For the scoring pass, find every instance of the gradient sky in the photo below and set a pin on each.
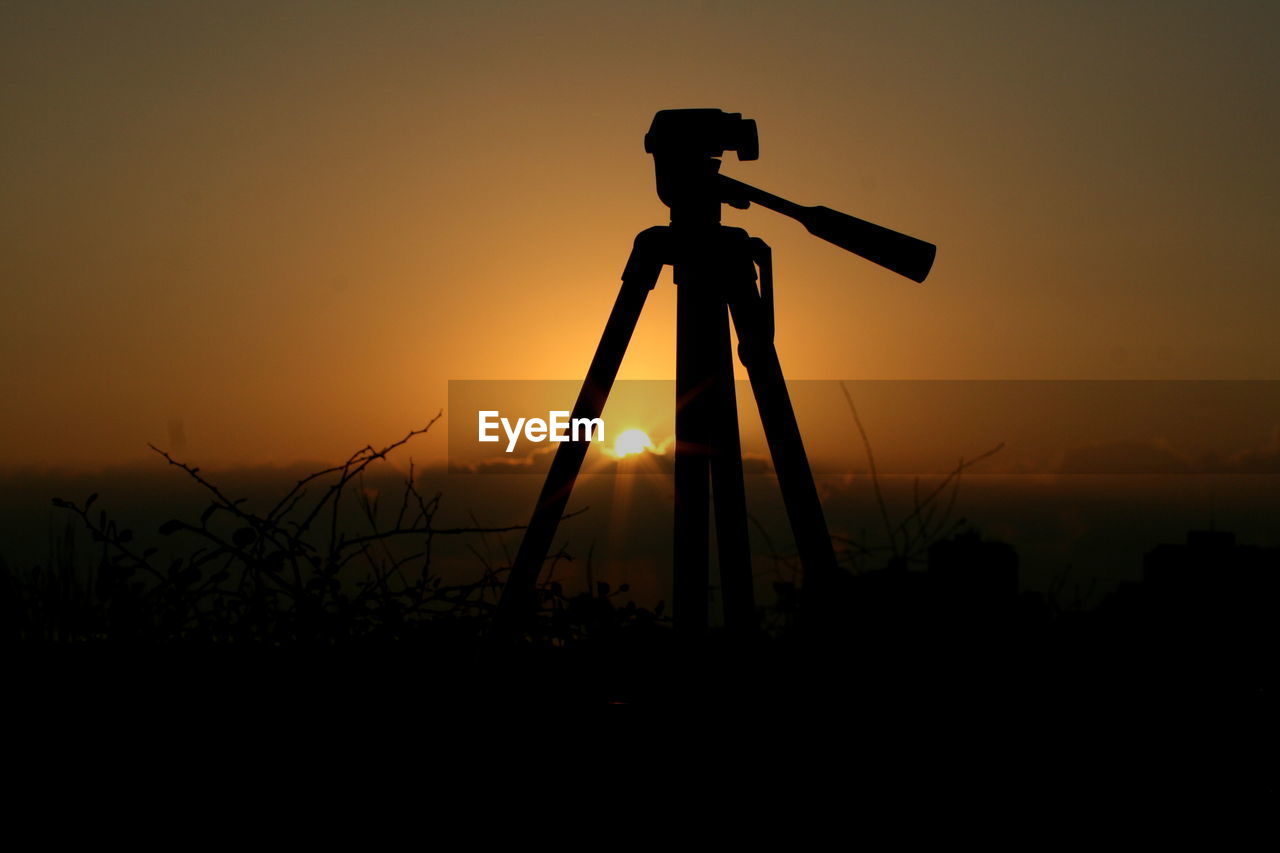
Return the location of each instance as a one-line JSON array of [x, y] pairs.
[[267, 231]]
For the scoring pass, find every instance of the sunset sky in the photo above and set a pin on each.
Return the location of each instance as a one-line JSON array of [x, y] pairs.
[[268, 231]]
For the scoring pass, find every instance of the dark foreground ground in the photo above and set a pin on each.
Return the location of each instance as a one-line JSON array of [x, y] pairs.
[[1106, 706], [1125, 661]]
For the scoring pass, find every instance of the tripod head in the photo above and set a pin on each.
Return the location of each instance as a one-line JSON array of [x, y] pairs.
[[685, 145], [702, 133]]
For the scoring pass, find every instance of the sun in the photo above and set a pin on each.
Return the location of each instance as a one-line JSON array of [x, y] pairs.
[[630, 442]]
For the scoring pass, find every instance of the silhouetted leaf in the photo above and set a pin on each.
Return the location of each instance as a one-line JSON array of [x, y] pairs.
[[88, 503], [170, 526], [244, 537], [125, 536]]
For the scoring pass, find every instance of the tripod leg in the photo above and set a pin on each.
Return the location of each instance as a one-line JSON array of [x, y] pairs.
[[695, 435], [795, 478], [733, 546], [639, 277], [707, 440]]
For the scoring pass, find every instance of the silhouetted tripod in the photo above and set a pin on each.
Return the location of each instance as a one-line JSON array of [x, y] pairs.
[[715, 270]]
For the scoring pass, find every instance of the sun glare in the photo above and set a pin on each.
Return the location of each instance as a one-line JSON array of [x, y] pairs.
[[632, 441]]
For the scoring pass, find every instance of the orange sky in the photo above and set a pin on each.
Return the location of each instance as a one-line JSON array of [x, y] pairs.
[[285, 226]]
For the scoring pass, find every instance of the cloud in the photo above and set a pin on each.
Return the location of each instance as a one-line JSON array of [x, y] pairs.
[[1263, 460], [1157, 457], [1124, 457]]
